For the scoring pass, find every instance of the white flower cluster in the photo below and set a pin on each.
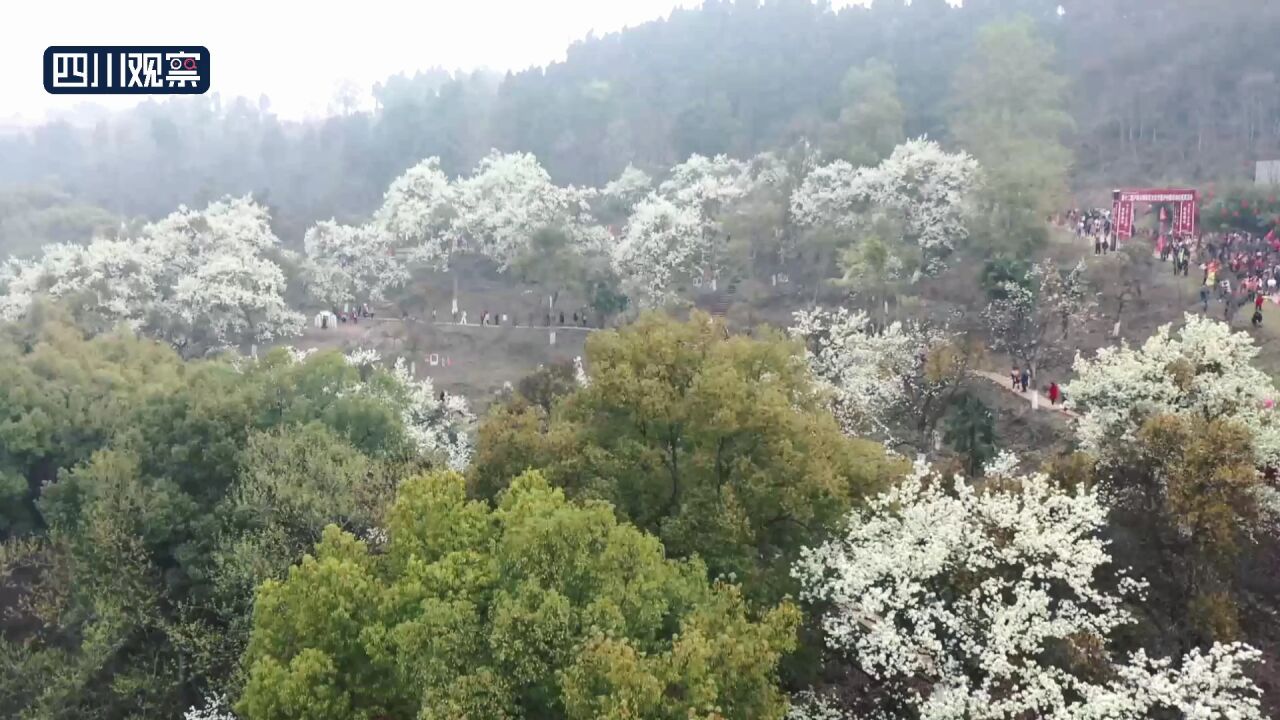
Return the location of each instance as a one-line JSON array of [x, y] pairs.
[[435, 426], [215, 708], [418, 212], [629, 188], [662, 245], [1267, 501], [922, 189], [508, 198], [808, 705], [951, 597], [867, 372], [580, 373], [363, 357], [1204, 370], [351, 263], [197, 279], [1033, 318], [676, 234], [494, 212], [299, 356]]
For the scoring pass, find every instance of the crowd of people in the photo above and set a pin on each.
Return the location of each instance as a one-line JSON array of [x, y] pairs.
[[1093, 224], [1021, 382], [494, 319], [1237, 268]]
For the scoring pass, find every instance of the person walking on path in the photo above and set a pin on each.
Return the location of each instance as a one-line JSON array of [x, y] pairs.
[[1016, 377], [1204, 299], [1054, 393], [1026, 379]]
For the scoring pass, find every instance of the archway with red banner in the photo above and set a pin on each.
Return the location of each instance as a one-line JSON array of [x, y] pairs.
[[1186, 208]]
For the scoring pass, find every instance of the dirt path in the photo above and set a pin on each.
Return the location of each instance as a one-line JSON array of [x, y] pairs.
[[1033, 397]]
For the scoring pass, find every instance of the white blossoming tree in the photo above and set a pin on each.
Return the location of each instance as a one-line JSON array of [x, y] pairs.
[[200, 280], [710, 186], [663, 246], [865, 371], [507, 199], [833, 194], [628, 189], [351, 264], [1032, 320], [921, 191], [883, 380], [681, 233], [958, 603], [435, 425], [1204, 369], [215, 707], [107, 281], [418, 213], [217, 285]]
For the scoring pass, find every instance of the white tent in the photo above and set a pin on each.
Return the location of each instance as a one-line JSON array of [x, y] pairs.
[[326, 319]]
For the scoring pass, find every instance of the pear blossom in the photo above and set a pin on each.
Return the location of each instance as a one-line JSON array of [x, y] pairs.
[[200, 280], [508, 198], [350, 264], [435, 426], [834, 195], [1031, 321], [629, 188], [677, 234], [948, 597], [662, 246], [215, 707], [809, 705], [874, 374], [1204, 369], [709, 183], [298, 355], [113, 278], [923, 190], [363, 357], [862, 370], [438, 424], [418, 213]]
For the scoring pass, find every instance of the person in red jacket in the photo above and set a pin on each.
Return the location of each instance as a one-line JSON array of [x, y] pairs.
[[1054, 393]]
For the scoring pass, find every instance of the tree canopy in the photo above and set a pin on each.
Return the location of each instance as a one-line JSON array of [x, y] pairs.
[[718, 444], [537, 607]]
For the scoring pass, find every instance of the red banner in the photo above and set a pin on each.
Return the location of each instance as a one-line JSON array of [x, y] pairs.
[[1185, 203], [1185, 221]]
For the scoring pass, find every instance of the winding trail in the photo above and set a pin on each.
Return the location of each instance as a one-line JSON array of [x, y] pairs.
[[1031, 396]]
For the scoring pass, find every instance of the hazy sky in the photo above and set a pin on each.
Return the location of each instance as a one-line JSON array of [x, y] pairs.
[[297, 52]]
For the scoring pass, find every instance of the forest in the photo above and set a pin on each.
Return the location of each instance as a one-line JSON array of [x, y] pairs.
[[1157, 92], [772, 469]]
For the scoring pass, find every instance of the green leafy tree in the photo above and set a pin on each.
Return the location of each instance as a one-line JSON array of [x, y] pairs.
[[536, 607], [718, 444], [1010, 113], [971, 432], [872, 117], [154, 495]]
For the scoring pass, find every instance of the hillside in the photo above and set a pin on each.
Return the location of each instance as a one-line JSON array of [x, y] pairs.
[[1158, 92]]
